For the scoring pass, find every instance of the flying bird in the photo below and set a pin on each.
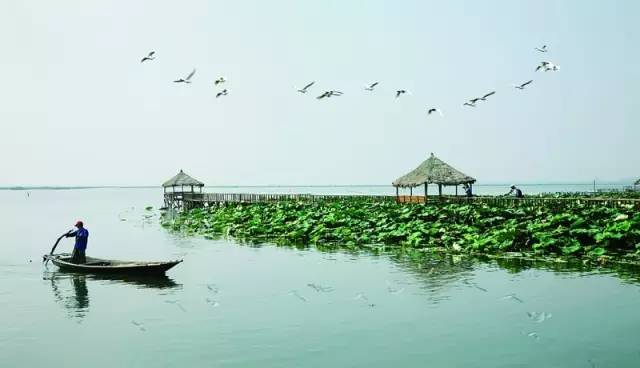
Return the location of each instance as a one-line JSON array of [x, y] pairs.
[[470, 104], [371, 86], [305, 88], [400, 92], [219, 81], [521, 86], [148, 57], [224, 92], [328, 94], [547, 66], [187, 79], [434, 109], [542, 49], [484, 98]]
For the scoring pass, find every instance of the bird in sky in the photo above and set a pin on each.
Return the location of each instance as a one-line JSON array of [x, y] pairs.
[[434, 109], [148, 57], [219, 81], [371, 86], [470, 104], [547, 66], [521, 86], [305, 88], [542, 49], [187, 79], [224, 92], [484, 98], [400, 92], [328, 94]]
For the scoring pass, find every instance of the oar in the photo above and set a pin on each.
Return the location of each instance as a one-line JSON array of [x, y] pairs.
[[45, 258]]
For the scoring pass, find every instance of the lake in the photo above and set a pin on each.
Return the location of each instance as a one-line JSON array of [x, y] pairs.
[[234, 305]]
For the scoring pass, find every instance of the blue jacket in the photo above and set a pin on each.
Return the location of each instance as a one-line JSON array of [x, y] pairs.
[[82, 236]]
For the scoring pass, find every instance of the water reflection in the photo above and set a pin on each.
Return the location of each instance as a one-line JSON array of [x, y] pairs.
[[436, 273], [71, 291]]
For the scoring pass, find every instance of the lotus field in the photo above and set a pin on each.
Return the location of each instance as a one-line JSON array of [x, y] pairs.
[[592, 232]]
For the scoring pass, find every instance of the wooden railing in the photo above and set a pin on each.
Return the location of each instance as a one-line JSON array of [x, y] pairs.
[[192, 200]]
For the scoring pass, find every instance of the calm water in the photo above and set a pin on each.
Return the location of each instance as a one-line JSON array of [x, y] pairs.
[[229, 305]]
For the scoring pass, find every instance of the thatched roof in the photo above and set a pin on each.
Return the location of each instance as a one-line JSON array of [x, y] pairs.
[[182, 179], [433, 171]]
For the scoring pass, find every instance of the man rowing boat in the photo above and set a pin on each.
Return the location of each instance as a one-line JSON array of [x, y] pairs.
[[82, 236]]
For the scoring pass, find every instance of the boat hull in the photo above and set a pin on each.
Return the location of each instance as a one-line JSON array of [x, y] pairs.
[[106, 266]]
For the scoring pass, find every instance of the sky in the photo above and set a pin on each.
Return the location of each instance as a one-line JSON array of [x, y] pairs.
[[78, 108]]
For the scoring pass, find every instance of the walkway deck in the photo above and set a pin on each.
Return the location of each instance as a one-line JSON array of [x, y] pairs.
[[196, 200]]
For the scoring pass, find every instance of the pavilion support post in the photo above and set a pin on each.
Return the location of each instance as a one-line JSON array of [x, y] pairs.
[[425, 192], [456, 190], [411, 191], [440, 190], [397, 194]]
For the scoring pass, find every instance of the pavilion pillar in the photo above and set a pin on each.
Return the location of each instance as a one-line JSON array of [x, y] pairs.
[[411, 191], [440, 190], [456, 190], [397, 193], [425, 192]]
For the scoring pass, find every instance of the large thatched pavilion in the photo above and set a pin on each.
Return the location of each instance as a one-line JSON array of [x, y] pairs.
[[432, 171]]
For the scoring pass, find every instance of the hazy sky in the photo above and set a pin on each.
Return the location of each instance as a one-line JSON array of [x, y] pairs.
[[78, 108]]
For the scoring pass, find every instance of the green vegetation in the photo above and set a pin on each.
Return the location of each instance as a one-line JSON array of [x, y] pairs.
[[580, 230]]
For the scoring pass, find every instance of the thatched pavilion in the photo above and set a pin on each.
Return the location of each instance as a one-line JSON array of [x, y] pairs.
[[181, 180], [432, 171], [636, 184], [179, 188]]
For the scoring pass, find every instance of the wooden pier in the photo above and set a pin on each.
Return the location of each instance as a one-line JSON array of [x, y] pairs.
[[182, 192], [189, 200]]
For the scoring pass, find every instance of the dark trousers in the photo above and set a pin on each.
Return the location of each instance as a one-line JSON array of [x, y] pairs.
[[78, 256]]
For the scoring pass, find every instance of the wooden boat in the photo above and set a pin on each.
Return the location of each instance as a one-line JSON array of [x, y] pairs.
[[103, 266]]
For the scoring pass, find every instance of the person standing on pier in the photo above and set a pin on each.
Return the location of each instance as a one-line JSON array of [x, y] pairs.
[[82, 237], [516, 192], [467, 190]]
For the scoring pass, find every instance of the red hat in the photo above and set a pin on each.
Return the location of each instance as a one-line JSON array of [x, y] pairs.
[[79, 223]]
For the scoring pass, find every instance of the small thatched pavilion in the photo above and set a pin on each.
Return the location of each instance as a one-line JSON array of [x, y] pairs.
[[182, 180], [636, 184], [432, 171]]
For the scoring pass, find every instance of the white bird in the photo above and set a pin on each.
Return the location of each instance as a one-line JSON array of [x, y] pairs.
[[148, 57], [484, 98], [224, 92], [371, 86], [320, 288], [219, 81], [305, 88], [434, 109], [547, 66], [297, 295], [539, 317], [187, 79], [521, 86], [542, 49], [512, 297]]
